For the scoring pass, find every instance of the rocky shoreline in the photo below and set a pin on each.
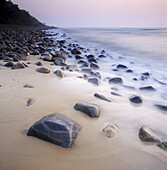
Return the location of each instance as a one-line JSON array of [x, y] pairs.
[[19, 44]]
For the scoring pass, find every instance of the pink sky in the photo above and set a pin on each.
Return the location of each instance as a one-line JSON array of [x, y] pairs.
[[98, 13]]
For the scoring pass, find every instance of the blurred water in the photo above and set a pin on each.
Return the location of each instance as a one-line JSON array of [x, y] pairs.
[[137, 43]]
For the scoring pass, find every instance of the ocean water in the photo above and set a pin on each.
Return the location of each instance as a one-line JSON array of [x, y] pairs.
[[141, 50]]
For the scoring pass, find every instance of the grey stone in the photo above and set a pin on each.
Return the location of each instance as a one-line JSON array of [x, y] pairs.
[[161, 107], [147, 88], [115, 94], [59, 73], [94, 81], [116, 80], [30, 101], [57, 129], [59, 61], [136, 99], [102, 97], [39, 63], [90, 109], [121, 66], [28, 86], [75, 51], [94, 65], [148, 135], [110, 130]]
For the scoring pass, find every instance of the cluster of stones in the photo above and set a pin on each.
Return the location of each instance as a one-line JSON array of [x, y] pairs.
[[15, 47]]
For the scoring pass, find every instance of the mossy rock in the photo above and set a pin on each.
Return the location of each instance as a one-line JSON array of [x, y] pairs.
[[163, 145]]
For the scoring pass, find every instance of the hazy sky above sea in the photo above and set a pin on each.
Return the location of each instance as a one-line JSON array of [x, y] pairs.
[[98, 13]]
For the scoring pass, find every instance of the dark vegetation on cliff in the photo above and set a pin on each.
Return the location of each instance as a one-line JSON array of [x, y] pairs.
[[12, 15]]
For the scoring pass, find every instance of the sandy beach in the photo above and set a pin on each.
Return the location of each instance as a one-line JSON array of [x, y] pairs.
[[92, 149]]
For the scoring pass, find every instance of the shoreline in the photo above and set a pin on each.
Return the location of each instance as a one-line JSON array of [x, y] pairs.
[[92, 149]]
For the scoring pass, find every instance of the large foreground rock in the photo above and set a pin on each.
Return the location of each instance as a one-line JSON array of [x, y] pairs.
[[57, 129], [90, 109], [148, 135]]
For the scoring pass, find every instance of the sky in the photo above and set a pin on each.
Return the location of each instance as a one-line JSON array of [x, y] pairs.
[[98, 13]]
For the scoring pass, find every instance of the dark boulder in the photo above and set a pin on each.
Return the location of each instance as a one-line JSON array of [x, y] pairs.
[[147, 88], [92, 60], [9, 64], [39, 63], [121, 66], [148, 135], [102, 56], [129, 71], [76, 51], [57, 129], [161, 107], [102, 97], [136, 99], [78, 57], [116, 80], [94, 65], [90, 109], [146, 74]]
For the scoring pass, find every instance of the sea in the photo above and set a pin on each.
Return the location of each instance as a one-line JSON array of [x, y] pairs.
[[140, 49]]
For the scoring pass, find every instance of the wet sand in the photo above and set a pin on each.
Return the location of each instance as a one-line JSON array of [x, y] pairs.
[[92, 149]]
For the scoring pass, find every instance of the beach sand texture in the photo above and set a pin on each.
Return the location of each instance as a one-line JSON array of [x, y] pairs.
[[92, 149]]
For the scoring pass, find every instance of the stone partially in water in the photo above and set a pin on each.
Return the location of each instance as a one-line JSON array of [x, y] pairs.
[[115, 94], [102, 97], [110, 130], [121, 66], [57, 129], [147, 88], [161, 107], [148, 135], [116, 80], [90, 109], [94, 81], [94, 65], [135, 99]]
